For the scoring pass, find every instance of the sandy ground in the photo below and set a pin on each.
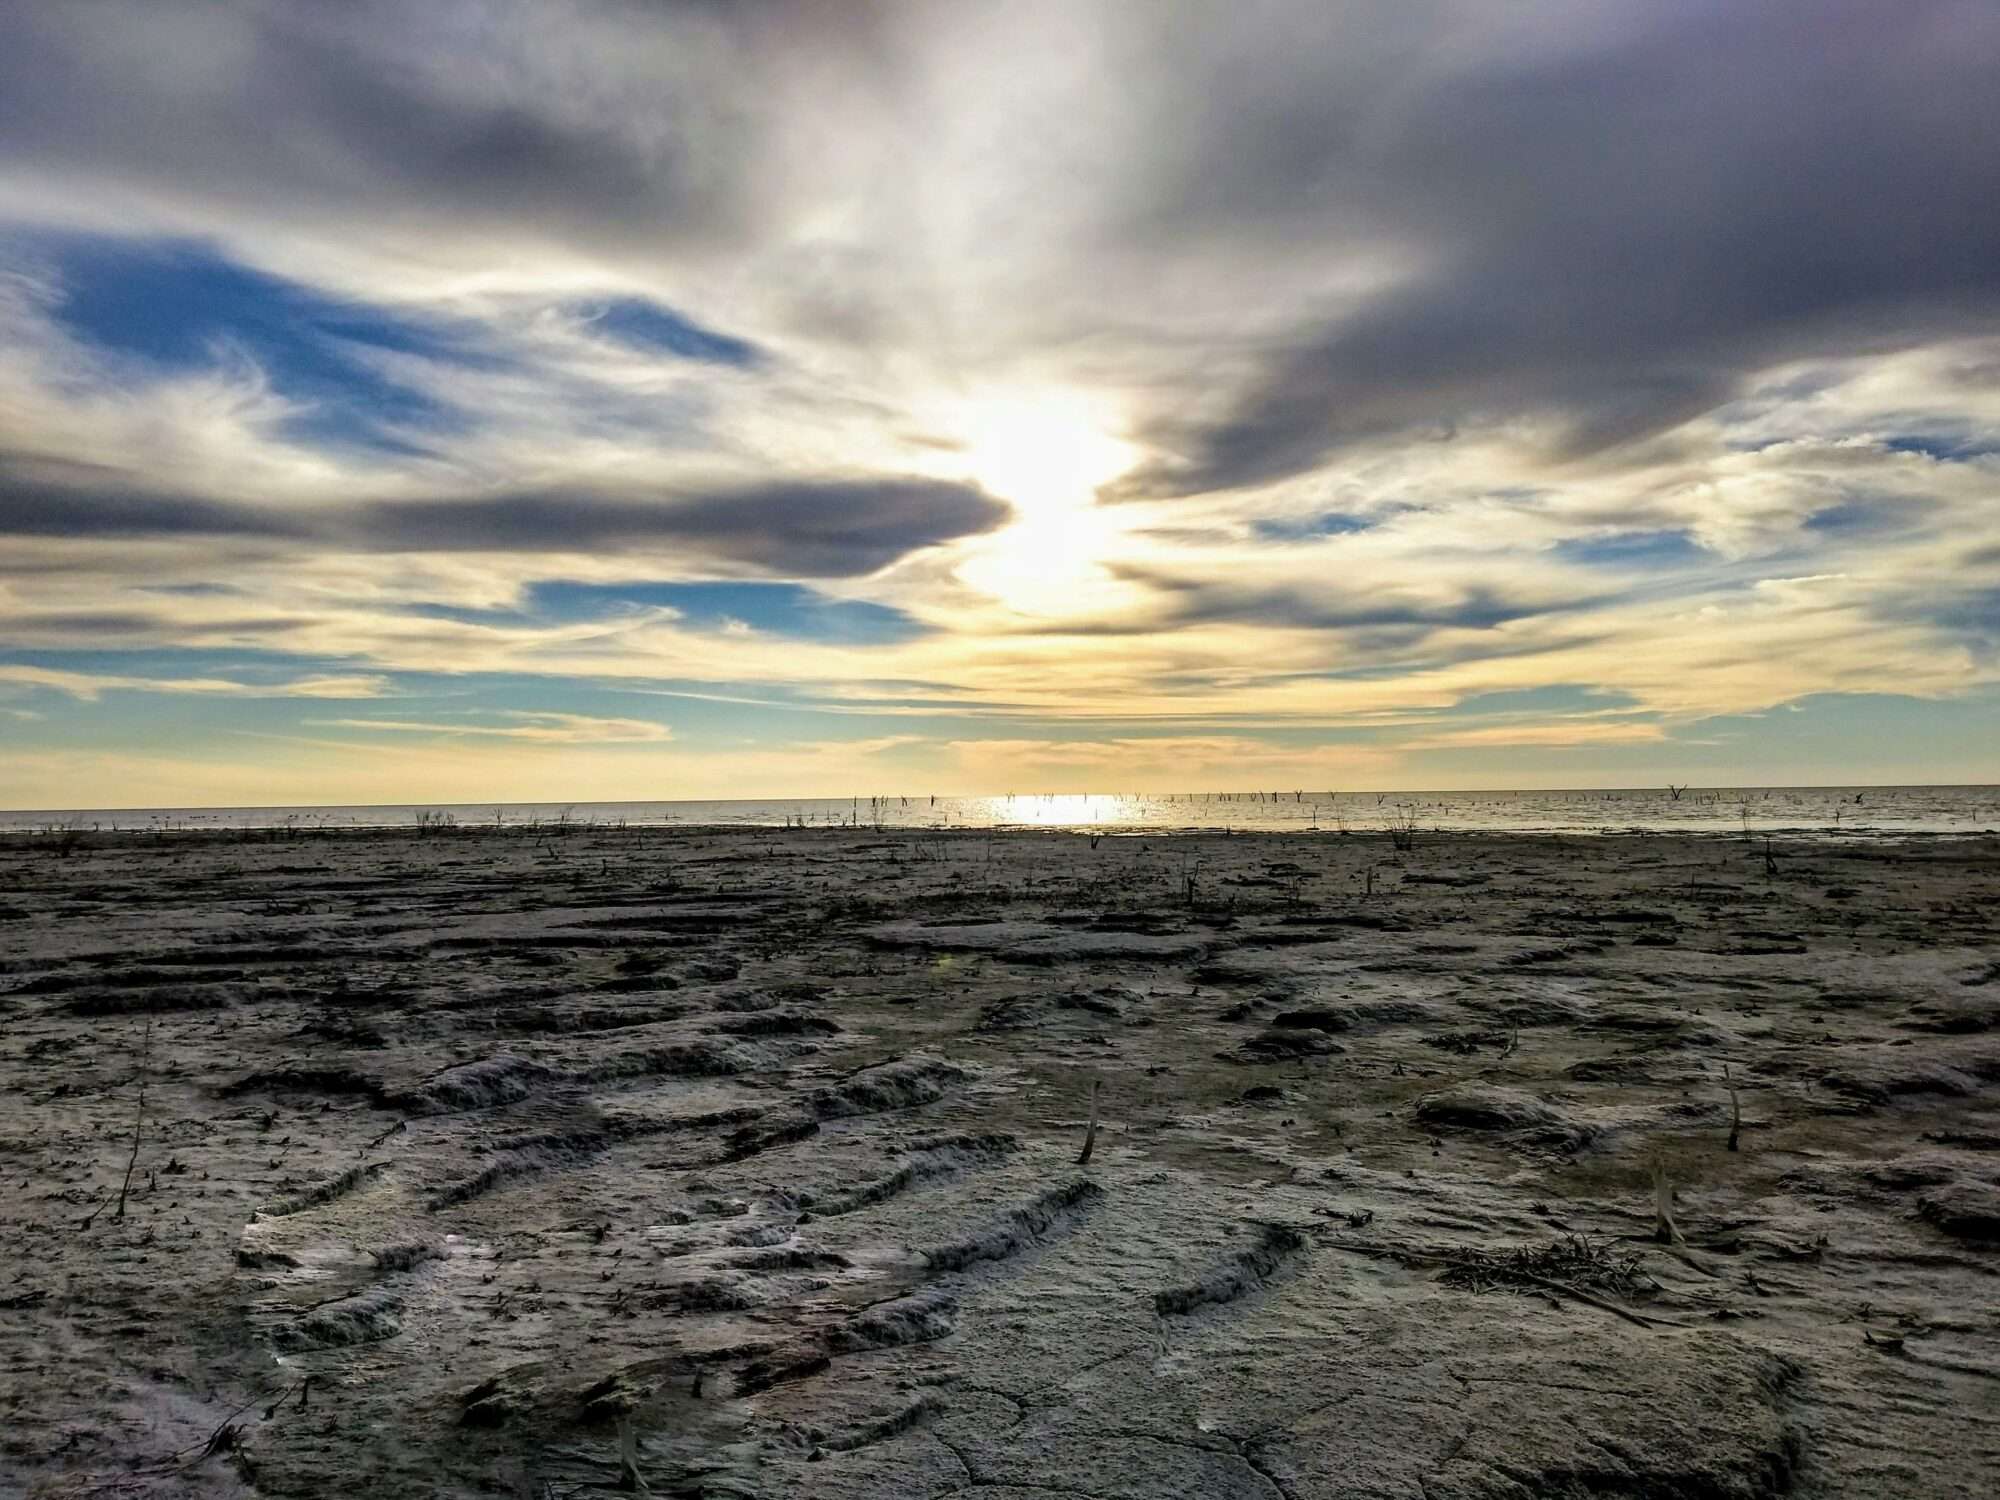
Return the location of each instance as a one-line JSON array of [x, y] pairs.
[[747, 1164]]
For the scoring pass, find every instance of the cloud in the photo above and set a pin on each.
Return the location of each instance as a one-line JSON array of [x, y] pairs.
[[779, 609], [377, 121], [1607, 230], [1416, 608], [810, 528], [1568, 734], [542, 728], [71, 500], [90, 686]]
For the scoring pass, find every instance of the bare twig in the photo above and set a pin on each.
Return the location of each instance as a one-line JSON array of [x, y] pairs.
[[1664, 1228], [1611, 1307], [138, 1119], [1735, 1107], [1090, 1134], [629, 1477]]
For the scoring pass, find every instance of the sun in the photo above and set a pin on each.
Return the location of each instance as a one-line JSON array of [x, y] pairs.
[[1046, 454], [1042, 451]]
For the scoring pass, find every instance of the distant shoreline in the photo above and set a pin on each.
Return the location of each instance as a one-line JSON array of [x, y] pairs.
[[1694, 794], [87, 837]]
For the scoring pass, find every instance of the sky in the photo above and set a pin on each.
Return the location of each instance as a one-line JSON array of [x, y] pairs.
[[611, 399]]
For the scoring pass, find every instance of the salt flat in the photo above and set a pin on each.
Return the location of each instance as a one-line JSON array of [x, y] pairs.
[[484, 1163]]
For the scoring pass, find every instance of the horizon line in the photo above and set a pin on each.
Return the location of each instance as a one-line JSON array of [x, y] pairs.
[[1280, 793]]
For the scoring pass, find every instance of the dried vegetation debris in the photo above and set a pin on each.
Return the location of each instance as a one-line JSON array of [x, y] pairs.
[[1571, 1261]]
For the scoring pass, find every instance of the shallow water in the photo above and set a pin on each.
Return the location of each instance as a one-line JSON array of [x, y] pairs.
[[1793, 811]]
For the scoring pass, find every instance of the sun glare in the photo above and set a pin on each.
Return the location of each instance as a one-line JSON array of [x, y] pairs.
[[1041, 452], [1045, 454]]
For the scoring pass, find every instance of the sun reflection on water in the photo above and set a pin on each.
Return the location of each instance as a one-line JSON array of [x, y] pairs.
[[1063, 810]]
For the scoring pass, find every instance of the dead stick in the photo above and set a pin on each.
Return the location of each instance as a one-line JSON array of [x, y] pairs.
[[1611, 1307], [1090, 1135], [138, 1119], [1735, 1108]]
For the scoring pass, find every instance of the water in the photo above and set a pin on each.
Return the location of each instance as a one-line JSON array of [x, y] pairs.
[[1790, 811]]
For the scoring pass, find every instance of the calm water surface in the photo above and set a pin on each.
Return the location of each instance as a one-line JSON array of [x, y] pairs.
[[1824, 811]]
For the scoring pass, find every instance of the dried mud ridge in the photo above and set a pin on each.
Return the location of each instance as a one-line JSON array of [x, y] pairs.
[[748, 1164]]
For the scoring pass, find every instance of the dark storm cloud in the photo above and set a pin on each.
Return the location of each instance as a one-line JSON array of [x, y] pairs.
[[832, 528], [342, 108], [87, 502], [1611, 230], [810, 529]]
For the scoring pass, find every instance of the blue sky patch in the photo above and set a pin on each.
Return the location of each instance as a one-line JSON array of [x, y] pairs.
[[1858, 518], [1331, 523], [644, 324], [1943, 448], [1974, 613], [1826, 739], [787, 609], [236, 663], [1632, 549], [1840, 731], [1554, 698], [180, 306]]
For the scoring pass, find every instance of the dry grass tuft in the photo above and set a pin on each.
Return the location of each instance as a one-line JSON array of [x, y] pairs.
[[1573, 1262]]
